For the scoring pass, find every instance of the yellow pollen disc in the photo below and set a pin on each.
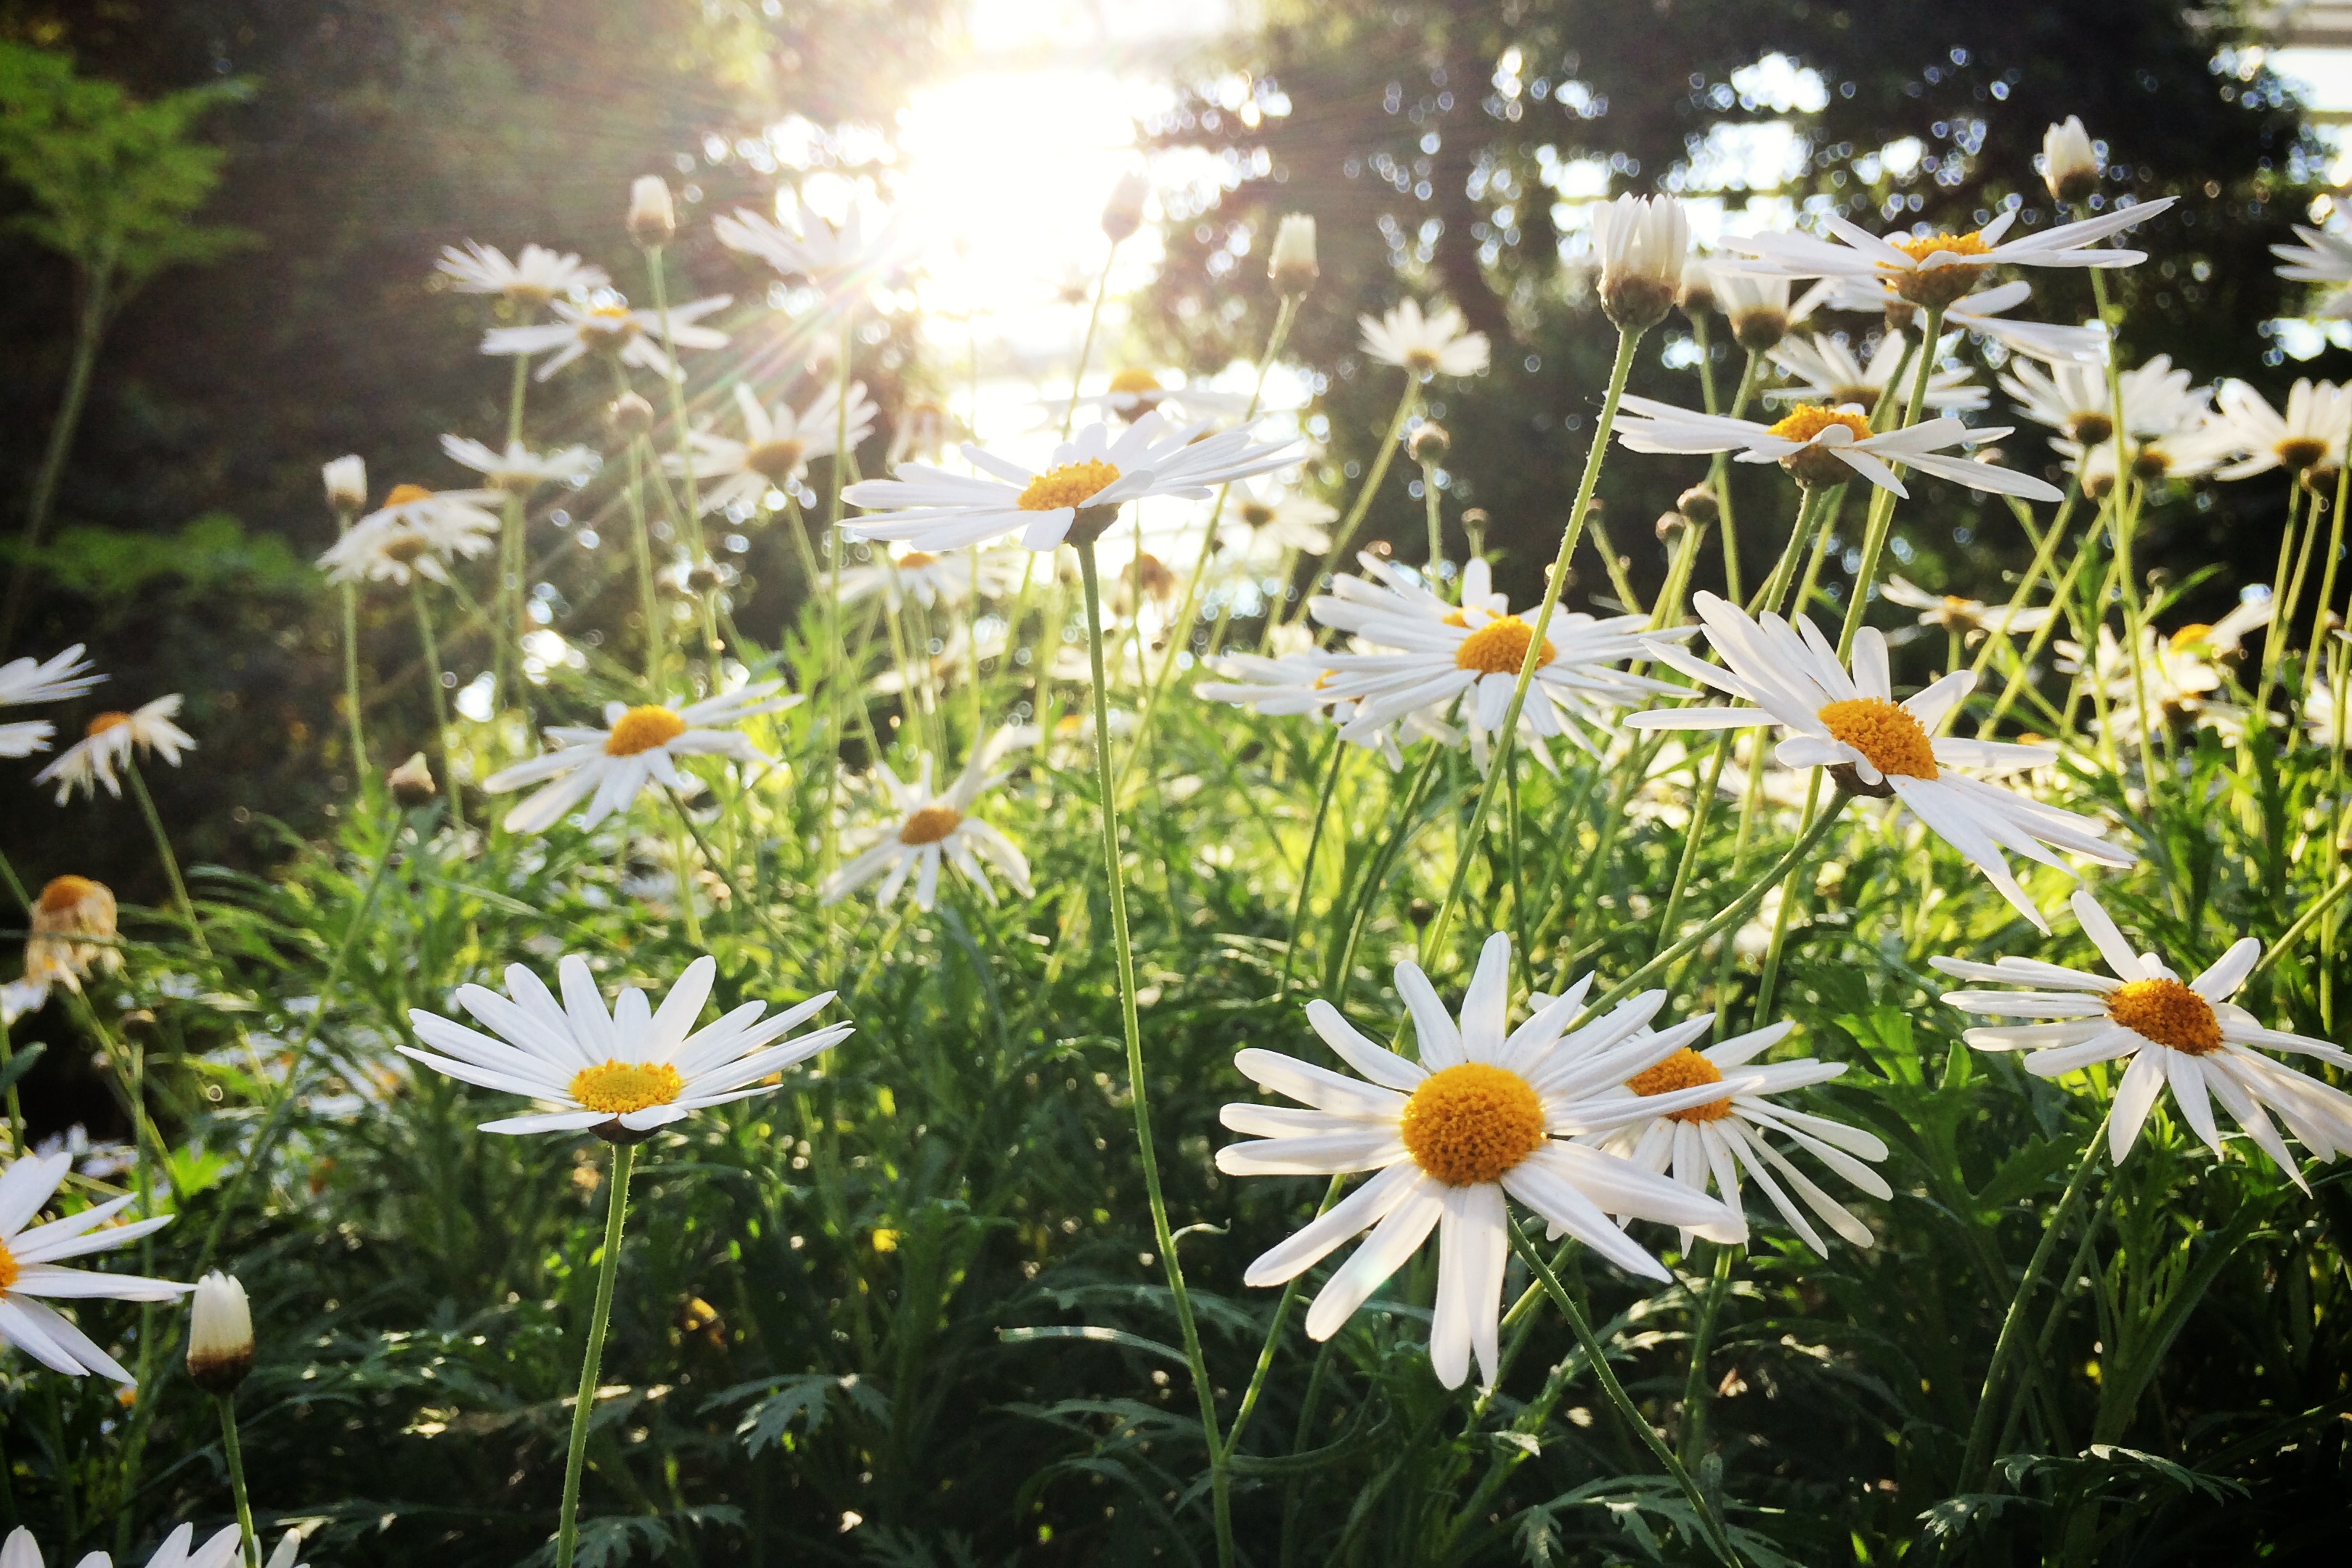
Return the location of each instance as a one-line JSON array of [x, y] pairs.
[[1686, 1069], [929, 825], [1455, 618], [777, 460], [607, 326], [916, 557], [617, 1088], [1808, 420], [1499, 648], [2189, 636], [1135, 380], [404, 494], [8, 1269], [1071, 484], [105, 722], [1470, 1123], [2169, 1013], [2300, 452], [1256, 514], [65, 894], [642, 728], [1884, 732], [1920, 247]]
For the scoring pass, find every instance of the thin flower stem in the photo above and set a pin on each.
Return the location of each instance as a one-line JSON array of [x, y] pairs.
[[1368, 891], [1697, 1389], [1615, 564], [1138, 1084], [567, 1527], [1719, 477], [1338, 554], [1434, 521], [1086, 342], [180, 898], [1770, 975], [2033, 647], [2325, 607], [692, 510], [1882, 503], [1976, 1461], [2126, 523], [505, 683], [2304, 923], [440, 701], [1433, 939], [249, 1546], [641, 538], [2045, 549], [836, 671], [1307, 871], [1282, 1311], [1711, 1526]]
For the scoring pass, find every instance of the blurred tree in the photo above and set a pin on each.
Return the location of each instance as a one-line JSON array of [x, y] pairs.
[[1434, 139]]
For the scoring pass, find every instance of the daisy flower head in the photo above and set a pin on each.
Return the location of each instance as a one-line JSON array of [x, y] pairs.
[[1757, 306], [1641, 244], [517, 470], [111, 740], [2309, 436], [636, 746], [1711, 1144], [1832, 375], [416, 532], [1084, 483], [1985, 313], [29, 680], [28, 1268], [2322, 257], [1281, 520], [1300, 682], [836, 257], [931, 581], [925, 828], [2070, 164], [622, 1073], [2190, 1036], [535, 276], [1851, 724], [1487, 1114], [1822, 447], [1290, 261], [777, 446], [1474, 651], [72, 931], [1973, 616], [1932, 270], [1135, 391], [179, 1550], [632, 337], [345, 480], [1438, 343]]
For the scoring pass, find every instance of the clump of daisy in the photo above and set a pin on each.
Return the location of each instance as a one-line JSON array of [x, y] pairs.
[[516, 470], [112, 741], [29, 1274], [1829, 374], [931, 581], [535, 276], [611, 330], [635, 747], [2188, 1035], [1824, 447], [1437, 343], [923, 828], [778, 444], [416, 532], [1934, 270]]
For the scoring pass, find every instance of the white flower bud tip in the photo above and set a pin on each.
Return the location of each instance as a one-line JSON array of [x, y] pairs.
[[220, 1334]]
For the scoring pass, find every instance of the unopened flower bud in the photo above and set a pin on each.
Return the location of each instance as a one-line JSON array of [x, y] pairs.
[[1669, 525], [703, 578], [627, 416], [1292, 264], [220, 1334], [2070, 166], [1429, 443], [346, 480], [1123, 214], [1644, 242], [1697, 296], [411, 783], [1698, 503], [652, 218], [1900, 314]]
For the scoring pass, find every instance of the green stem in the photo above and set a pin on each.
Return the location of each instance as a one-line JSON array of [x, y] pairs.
[[1282, 1311], [248, 1543], [567, 1528], [89, 326], [693, 507], [1307, 871], [1696, 1388], [1882, 503], [1139, 1088], [1717, 1542], [1338, 554], [641, 540], [440, 701], [180, 898], [836, 673], [1719, 480]]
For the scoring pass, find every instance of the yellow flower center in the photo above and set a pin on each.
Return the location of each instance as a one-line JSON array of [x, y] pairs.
[[2189, 636], [1455, 618], [64, 895], [608, 327], [106, 721], [402, 494], [1808, 420], [1500, 647], [1135, 380], [2297, 453], [776, 460], [2169, 1013], [1884, 732], [617, 1088], [1069, 486], [642, 728], [917, 557], [1686, 1069], [8, 1269], [1256, 514], [1920, 247], [929, 825], [1470, 1123]]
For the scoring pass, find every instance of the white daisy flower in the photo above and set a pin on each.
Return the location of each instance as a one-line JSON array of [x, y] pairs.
[[1094, 475], [862, 246], [73, 929], [931, 581], [1282, 520], [1300, 682], [1974, 617], [1484, 1116], [1821, 446], [2191, 1036], [1474, 651], [637, 747], [1134, 393], [416, 530], [776, 447], [2309, 436], [927, 828], [519, 470], [2074, 400], [1435, 344], [1852, 724], [536, 275], [623, 1074], [179, 1550], [1641, 244], [633, 336], [28, 680], [1984, 314], [2179, 671], [1711, 1144], [108, 743], [1834, 377], [28, 1268], [1936, 269], [2322, 257], [1758, 308]]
